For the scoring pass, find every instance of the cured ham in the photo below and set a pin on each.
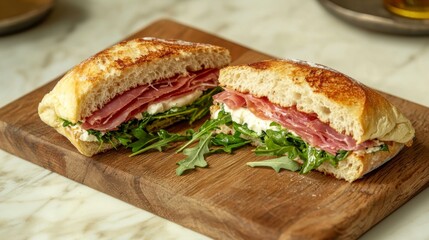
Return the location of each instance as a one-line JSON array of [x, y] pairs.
[[307, 126], [125, 106]]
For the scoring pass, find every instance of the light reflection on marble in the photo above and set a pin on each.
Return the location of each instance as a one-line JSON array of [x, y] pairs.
[[38, 204]]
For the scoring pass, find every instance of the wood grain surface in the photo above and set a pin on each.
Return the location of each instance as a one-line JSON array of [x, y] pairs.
[[227, 200]]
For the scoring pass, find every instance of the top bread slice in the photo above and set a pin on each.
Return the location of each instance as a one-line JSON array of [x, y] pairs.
[[94, 82], [346, 105]]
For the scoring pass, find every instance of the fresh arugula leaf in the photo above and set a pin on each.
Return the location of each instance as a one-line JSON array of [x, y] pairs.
[[195, 155], [139, 144], [242, 128], [229, 142], [176, 111], [141, 134], [163, 134], [208, 126], [342, 154], [223, 139], [126, 135], [206, 99], [203, 104], [270, 148], [97, 134], [123, 140], [67, 123], [161, 141], [277, 163], [228, 149], [313, 159], [280, 137], [157, 146], [143, 139], [154, 125], [198, 114], [280, 142], [277, 125], [384, 147]]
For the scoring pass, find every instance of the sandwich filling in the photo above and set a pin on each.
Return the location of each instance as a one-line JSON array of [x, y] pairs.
[[280, 131], [156, 109], [135, 101], [150, 107], [305, 125]]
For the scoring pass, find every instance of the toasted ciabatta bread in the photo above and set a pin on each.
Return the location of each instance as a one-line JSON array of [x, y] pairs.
[[94, 82], [348, 106], [344, 104]]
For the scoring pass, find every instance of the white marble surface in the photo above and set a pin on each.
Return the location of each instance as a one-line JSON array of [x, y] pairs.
[[38, 204]]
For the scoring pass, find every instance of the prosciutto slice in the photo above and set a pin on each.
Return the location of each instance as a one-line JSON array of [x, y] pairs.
[[125, 106], [307, 126]]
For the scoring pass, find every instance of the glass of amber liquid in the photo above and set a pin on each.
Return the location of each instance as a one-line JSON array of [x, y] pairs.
[[418, 9]]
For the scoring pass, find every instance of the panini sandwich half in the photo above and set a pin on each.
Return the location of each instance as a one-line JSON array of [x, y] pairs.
[[144, 83], [315, 115]]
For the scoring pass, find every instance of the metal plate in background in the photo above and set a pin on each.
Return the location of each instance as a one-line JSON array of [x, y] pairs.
[[371, 14], [17, 15]]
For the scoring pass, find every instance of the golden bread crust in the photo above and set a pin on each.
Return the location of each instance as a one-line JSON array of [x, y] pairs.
[[346, 105], [95, 81], [321, 80]]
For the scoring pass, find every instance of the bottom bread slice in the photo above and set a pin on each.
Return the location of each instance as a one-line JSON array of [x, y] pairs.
[[86, 148], [356, 165]]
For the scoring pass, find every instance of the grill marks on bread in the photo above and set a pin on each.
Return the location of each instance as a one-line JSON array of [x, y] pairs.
[[332, 84], [335, 86], [139, 51]]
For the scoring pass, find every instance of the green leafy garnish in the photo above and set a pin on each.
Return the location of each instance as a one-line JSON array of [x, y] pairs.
[[313, 159], [143, 138], [202, 104], [228, 142], [141, 134], [208, 126], [277, 163], [280, 142], [243, 129], [195, 155], [160, 142], [384, 147], [342, 154], [222, 142], [67, 123]]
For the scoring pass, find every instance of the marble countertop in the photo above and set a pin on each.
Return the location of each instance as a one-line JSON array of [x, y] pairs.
[[38, 204]]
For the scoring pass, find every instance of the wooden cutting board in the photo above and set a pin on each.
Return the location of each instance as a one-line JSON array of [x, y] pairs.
[[227, 200]]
